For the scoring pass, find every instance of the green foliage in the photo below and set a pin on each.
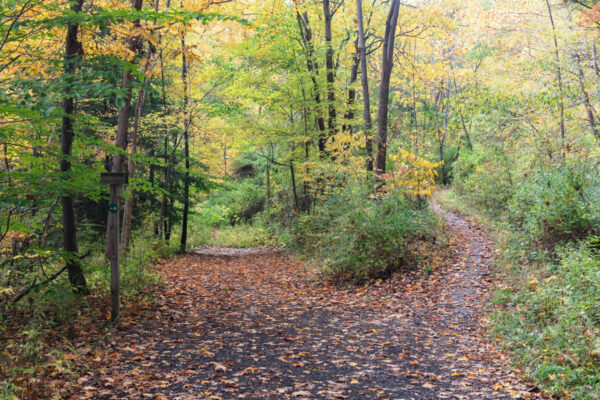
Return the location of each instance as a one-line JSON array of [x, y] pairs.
[[556, 204], [445, 170], [546, 204], [240, 235], [231, 217], [137, 274], [53, 310], [358, 238], [555, 327], [484, 178], [8, 390], [548, 307], [212, 215], [234, 204]]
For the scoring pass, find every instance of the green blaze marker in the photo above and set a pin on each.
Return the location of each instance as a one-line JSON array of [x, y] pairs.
[[113, 208]]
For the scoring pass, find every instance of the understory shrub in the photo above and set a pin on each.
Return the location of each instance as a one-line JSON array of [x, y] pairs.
[[239, 203], [549, 305], [485, 179], [357, 237], [232, 217], [48, 318], [557, 204], [554, 328]]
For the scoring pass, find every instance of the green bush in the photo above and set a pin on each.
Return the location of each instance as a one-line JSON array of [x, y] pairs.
[[213, 216], [43, 321], [446, 169], [238, 203], [247, 201], [485, 179], [549, 315], [557, 204], [554, 322], [358, 238]]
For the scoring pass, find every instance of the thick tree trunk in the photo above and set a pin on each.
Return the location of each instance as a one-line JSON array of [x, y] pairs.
[[384, 87], [364, 77], [186, 149], [72, 49]]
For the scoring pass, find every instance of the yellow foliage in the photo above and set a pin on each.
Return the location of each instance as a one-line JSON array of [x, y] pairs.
[[412, 174]]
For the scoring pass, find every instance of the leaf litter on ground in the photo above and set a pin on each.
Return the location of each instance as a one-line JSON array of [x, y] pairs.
[[256, 324]]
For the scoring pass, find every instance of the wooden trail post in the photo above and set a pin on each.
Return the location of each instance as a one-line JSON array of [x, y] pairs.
[[116, 180]]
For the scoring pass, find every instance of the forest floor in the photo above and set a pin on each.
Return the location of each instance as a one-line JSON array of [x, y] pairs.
[[257, 324]]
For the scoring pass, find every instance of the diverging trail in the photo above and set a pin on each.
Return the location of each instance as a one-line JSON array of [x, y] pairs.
[[253, 324]]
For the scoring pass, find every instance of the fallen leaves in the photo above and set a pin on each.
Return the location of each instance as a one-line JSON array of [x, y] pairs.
[[257, 326]]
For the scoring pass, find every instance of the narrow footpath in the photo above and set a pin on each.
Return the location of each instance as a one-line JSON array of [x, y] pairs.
[[254, 324]]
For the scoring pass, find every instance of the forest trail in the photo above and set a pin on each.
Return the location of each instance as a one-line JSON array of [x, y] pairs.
[[253, 324]]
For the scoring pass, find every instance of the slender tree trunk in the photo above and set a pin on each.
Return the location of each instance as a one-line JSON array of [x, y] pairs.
[[162, 225], [163, 204], [72, 49], [186, 149], [586, 101], [328, 17], [293, 177], [170, 189], [595, 59], [466, 131], [349, 116], [384, 87], [364, 77], [313, 68], [268, 177], [130, 199], [118, 160], [560, 84]]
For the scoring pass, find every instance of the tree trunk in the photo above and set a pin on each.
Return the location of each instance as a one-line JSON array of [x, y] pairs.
[[123, 118], [72, 49], [466, 131], [364, 77], [130, 199], [163, 204], [560, 84], [162, 225], [586, 101], [268, 177], [328, 16], [293, 177], [595, 60], [186, 149], [313, 69], [349, 116], [384, 87]]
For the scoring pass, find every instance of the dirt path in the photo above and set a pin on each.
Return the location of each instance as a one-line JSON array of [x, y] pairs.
[[251, 324]]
